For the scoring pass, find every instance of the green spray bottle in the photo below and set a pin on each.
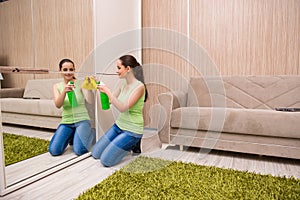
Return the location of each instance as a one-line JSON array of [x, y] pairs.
[[104, 99], [72, 97]]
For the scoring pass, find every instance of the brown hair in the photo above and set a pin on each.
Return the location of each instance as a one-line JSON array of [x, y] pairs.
[[129, 60]]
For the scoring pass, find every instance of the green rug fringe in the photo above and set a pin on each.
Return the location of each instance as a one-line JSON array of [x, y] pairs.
[[18, 148], [153, 178]]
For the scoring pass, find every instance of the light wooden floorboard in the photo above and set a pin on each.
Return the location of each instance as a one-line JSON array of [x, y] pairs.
[[67, 183], [77, 178], [45, 134], [16, 173]]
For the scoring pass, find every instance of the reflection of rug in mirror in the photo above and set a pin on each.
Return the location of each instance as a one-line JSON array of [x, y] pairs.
[[153, 178], [18, 147]]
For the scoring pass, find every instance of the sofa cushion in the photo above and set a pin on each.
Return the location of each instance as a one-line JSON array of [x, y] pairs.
[[242, 121], [255, 92], [11, 92], [40, 88], [30, 106]]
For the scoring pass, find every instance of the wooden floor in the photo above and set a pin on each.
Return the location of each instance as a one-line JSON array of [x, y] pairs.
[[75, 179]]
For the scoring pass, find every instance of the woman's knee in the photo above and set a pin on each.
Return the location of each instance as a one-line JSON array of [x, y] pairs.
[[56, 148], [112, 155], [79, 148], [60, 140], [109, 161], [100, 146], [55, 151], [96, 153], [106, 164], [80, 152]]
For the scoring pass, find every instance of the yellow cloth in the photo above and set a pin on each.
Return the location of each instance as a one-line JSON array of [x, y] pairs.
[[89, 84]]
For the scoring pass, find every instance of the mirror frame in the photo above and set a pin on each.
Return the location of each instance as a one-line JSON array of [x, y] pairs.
[[2, 162]]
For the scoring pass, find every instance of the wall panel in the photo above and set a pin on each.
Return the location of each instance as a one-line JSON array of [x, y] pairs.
[[259, 37], [39, 33], [170, 15], [62, 29], [16, 39], [162, 65], [117, 25]]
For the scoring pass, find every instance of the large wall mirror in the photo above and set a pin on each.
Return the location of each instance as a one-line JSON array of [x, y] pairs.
[[38, 34], [42, 44]]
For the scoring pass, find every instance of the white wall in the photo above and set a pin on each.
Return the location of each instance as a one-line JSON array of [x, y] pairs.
[[115, 17], [117, 31]]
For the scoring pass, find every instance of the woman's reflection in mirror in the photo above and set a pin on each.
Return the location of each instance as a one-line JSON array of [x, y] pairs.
[[75, 127]]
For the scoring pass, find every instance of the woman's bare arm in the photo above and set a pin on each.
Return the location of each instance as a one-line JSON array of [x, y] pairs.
[[60, 97], [124, 106]]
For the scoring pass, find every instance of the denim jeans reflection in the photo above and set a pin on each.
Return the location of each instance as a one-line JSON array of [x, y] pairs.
[[79, 134]]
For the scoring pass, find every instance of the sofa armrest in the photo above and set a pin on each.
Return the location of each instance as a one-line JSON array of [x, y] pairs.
[[11, 92], [169, 101]]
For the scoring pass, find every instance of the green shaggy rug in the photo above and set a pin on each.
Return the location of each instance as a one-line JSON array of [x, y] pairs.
[[18, 148], [152, 178]]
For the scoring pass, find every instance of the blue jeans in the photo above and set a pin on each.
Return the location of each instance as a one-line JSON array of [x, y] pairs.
[[79, 134], [114, 145]]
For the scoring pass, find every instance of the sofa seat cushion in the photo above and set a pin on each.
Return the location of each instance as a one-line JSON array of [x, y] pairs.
[[234, 120], [30, 106]]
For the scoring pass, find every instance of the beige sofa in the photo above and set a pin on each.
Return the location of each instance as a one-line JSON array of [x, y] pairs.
[[35, 108], [235, 114]]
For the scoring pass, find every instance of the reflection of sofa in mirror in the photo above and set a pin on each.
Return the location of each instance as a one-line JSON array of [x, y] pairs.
[[11, 92], [35, 108], [242, 109]]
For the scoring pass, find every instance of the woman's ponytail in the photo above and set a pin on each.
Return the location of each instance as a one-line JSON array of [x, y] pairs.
[[139, 75]]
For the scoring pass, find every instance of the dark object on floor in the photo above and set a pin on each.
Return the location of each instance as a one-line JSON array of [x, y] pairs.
[[288, 109], [137, 148]]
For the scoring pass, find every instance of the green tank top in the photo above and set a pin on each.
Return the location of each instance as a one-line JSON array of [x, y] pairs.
[[73, 115], [132, 120]]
